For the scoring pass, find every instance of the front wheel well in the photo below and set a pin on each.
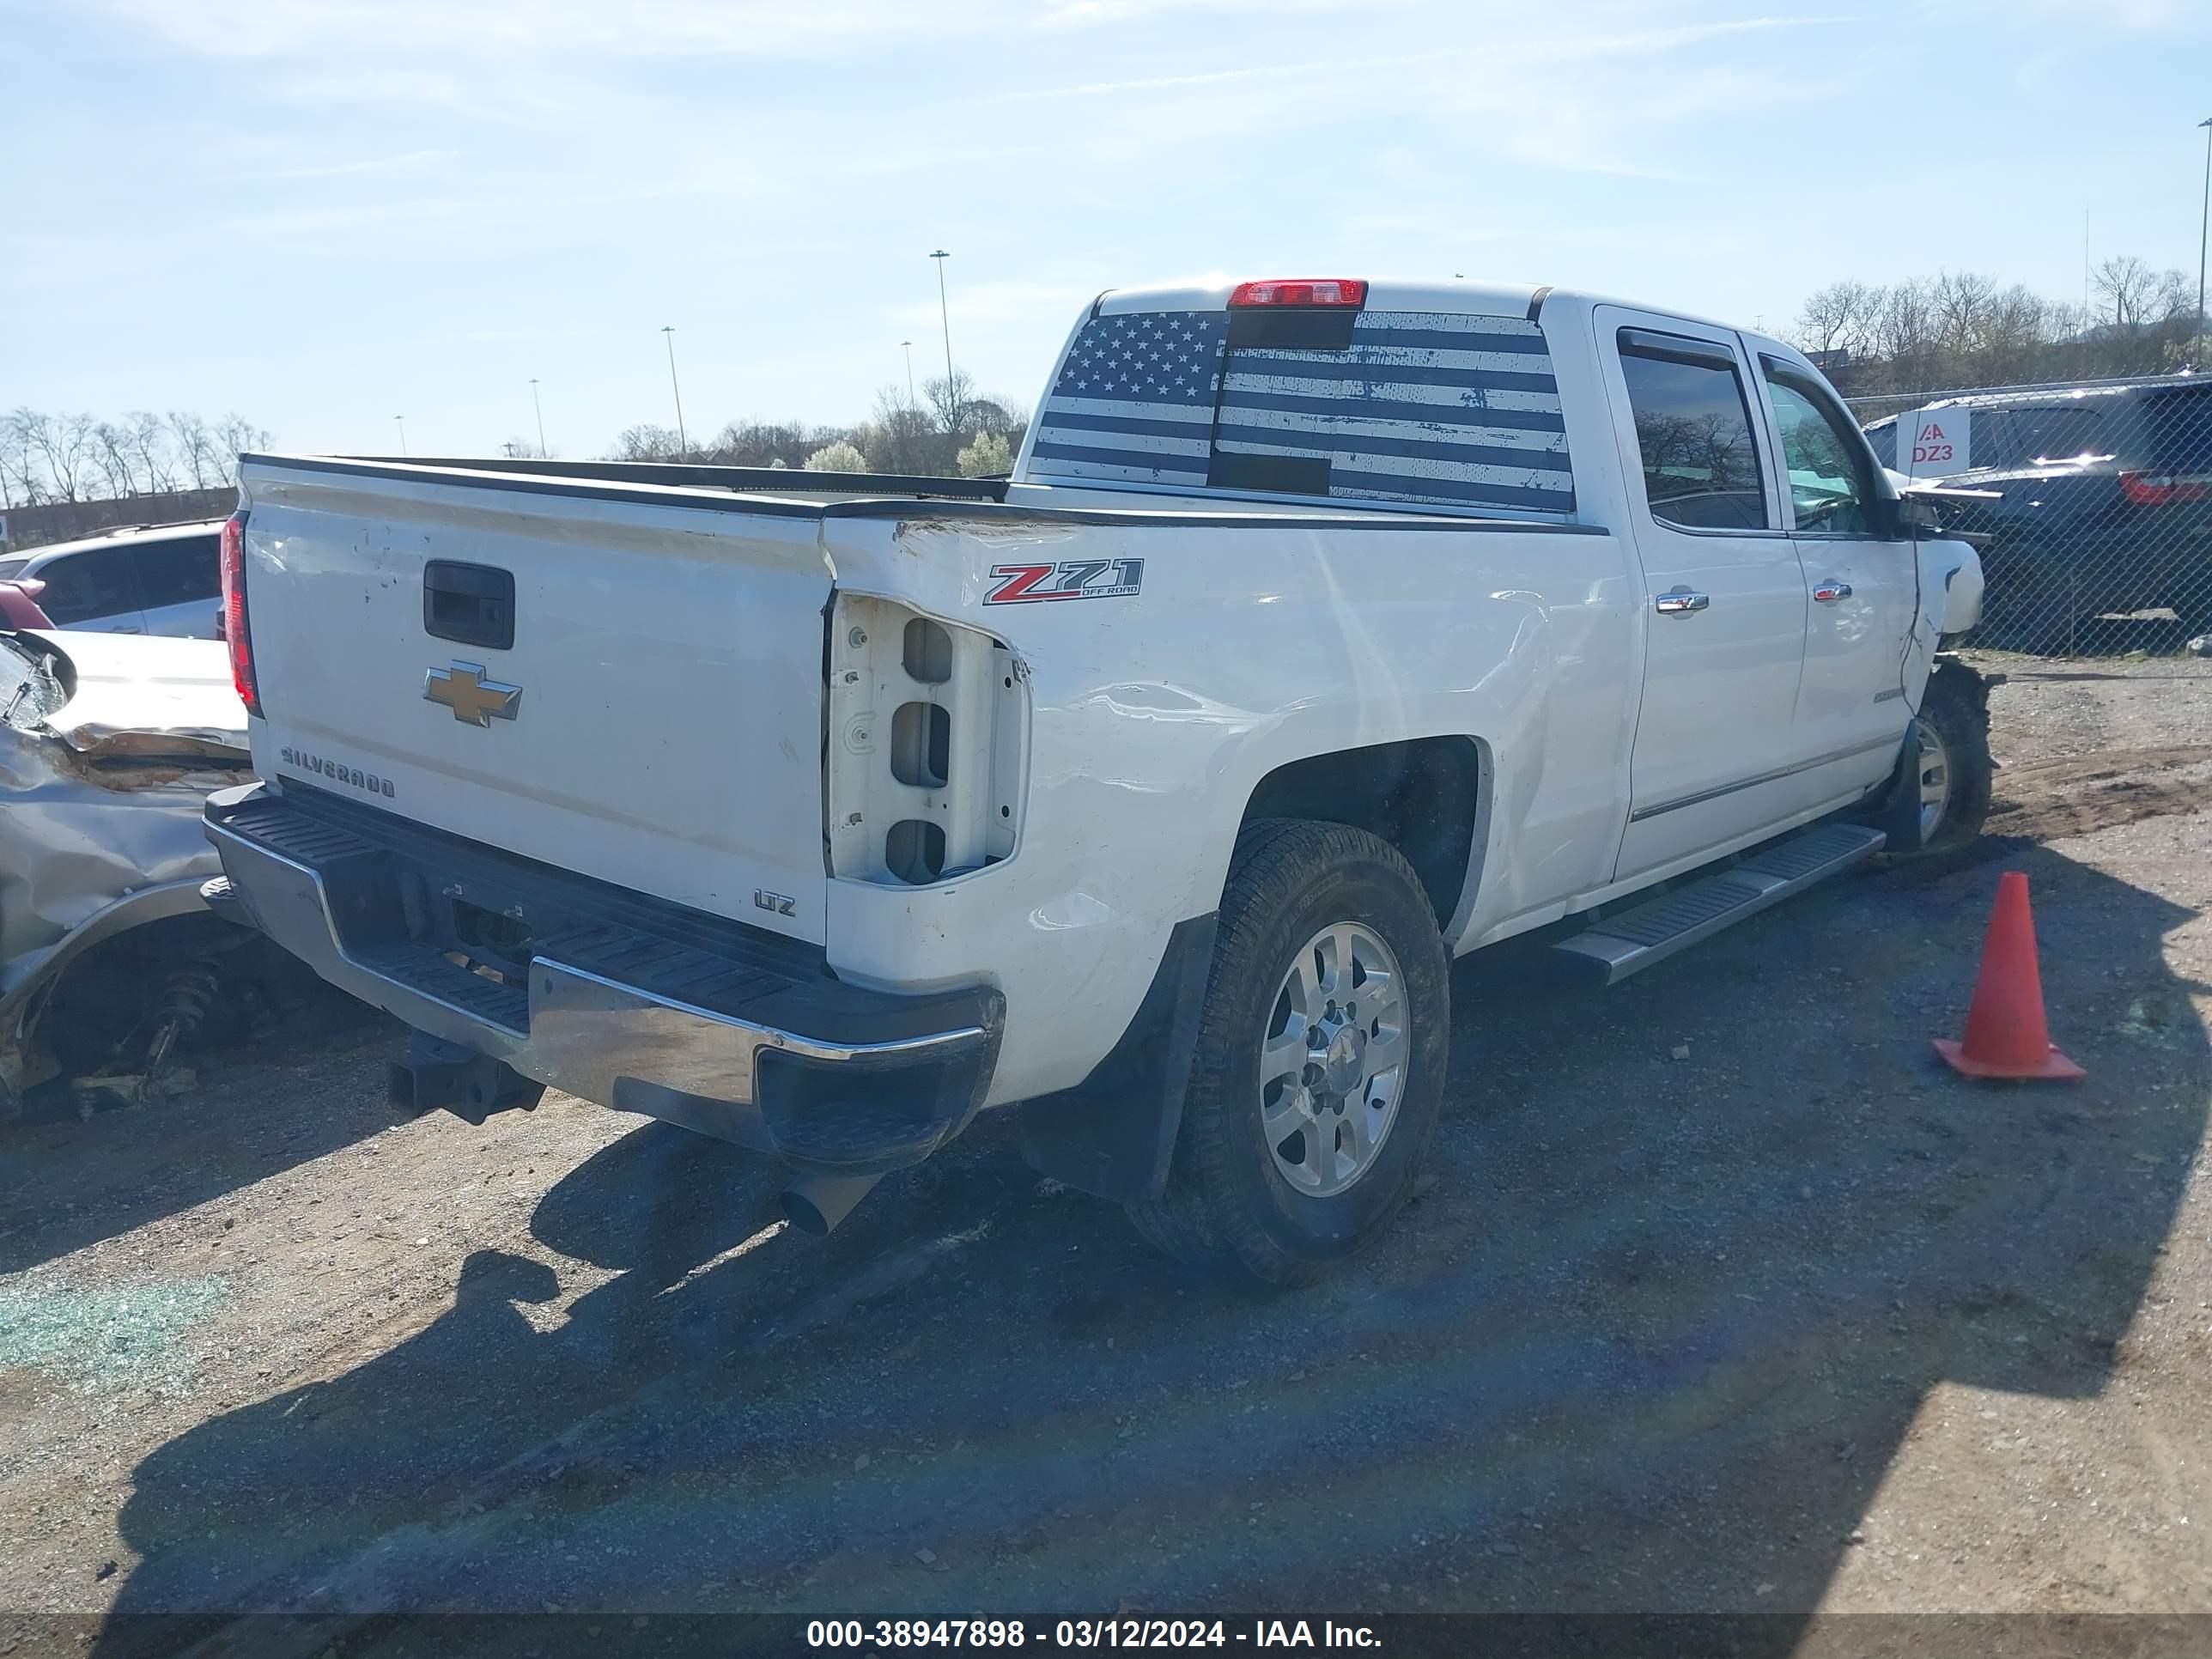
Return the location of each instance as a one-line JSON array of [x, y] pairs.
[[1423, 796]]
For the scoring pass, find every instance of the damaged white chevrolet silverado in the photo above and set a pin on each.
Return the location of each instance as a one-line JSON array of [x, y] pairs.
[[1325, 630]]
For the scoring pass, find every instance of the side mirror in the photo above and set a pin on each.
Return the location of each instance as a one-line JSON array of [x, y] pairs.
[[1909, 514]]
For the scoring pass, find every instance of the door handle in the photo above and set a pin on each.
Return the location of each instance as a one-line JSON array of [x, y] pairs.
[[1680, 602], [1829, 592]]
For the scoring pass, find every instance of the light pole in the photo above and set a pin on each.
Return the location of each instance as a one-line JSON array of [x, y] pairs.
[[907, 346], [2203, 228], [400, 421], [540, 408], [683, 443], [944, 314]]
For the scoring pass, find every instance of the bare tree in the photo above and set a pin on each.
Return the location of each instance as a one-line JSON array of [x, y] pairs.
[[236, 436], [949, 396], [766, 443], [196, 450], [64, 449], [2139, 296], [19, 460], [1000, 416], [1905, 333], [1838, 318], [149, 449], [1960, 304], [2019, 331], [1959, 329], [111, 459], [47, 458], [648, 442], [902, 438]]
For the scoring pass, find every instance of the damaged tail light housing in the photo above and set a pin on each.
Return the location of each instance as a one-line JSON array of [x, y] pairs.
[[923, 779], [235, 632]]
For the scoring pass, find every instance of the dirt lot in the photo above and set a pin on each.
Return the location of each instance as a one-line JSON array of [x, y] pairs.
[[1797, 1321]]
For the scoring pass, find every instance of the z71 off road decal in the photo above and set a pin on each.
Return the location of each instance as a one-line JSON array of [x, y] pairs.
[[1072, 579]]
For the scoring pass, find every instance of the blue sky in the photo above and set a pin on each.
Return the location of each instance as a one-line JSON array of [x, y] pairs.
[[322, 213]]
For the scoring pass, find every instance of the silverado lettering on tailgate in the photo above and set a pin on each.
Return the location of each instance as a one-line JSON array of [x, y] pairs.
[[332, 771]]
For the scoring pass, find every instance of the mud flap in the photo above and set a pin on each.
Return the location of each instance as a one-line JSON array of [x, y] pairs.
[[1899, 817], [1113, 1135]]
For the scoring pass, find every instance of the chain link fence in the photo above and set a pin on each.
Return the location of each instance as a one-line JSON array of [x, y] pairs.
[[2090, 502]]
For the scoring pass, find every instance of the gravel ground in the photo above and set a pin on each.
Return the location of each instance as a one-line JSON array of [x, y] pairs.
[[2051, 710], [1724, 1296]]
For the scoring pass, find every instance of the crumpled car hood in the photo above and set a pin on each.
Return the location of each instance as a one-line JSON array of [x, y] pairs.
[[147, 697], [105, 761]]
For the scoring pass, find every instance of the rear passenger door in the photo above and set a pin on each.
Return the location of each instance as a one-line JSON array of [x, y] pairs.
[[96, 590], [1862, 586], [180, 582], [1724, 596]]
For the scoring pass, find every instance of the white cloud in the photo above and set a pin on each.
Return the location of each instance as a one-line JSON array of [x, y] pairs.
[[2136, 17], [644, 28], [294, 221], [1156, 83], [1583, 99], [375, 164]]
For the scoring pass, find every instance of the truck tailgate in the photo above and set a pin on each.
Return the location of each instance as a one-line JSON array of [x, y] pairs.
[[654, 720]]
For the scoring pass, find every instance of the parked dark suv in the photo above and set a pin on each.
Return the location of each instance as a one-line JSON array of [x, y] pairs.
[[2103, 505]]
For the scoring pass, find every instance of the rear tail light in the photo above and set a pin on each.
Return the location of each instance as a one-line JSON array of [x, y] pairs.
[[235, 632], [1301, 291], [2164, 488]]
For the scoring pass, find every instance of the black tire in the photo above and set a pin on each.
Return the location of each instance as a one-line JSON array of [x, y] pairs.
[[1227, 1208], [1956, 704]]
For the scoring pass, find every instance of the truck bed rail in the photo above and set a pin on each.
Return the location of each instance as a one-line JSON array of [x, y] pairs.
[[764, 480]]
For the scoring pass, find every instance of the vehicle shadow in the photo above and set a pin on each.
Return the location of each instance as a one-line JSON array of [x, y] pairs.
[[1698, 1250], [65, 1183]]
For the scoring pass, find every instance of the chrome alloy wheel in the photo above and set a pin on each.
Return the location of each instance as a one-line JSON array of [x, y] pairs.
[[1332, 1060], [1935, 778]]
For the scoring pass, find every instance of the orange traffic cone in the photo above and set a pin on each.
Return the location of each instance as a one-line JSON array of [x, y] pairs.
[[2006, 1036]]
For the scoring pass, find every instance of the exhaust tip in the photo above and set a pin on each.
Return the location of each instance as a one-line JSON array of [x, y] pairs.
[[815, 1204], [802, 1213]]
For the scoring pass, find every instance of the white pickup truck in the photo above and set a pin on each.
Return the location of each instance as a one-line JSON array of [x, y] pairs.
[[1325, 630]]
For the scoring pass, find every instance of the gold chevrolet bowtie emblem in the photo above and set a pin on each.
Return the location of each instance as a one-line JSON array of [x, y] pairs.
[[464, 689]]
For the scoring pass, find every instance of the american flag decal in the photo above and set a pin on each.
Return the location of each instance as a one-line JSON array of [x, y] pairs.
[[1420, 407], [1135, 397]]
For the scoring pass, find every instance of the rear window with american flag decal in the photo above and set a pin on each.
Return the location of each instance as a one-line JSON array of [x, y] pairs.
[[1429, 407]]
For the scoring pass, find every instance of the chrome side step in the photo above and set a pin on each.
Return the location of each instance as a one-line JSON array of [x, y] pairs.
[[1611, 949]]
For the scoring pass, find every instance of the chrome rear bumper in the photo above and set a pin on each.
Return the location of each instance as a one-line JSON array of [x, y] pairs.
[[760, 1045]]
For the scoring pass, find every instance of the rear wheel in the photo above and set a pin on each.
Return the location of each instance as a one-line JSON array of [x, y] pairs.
[[1320, 1067]]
